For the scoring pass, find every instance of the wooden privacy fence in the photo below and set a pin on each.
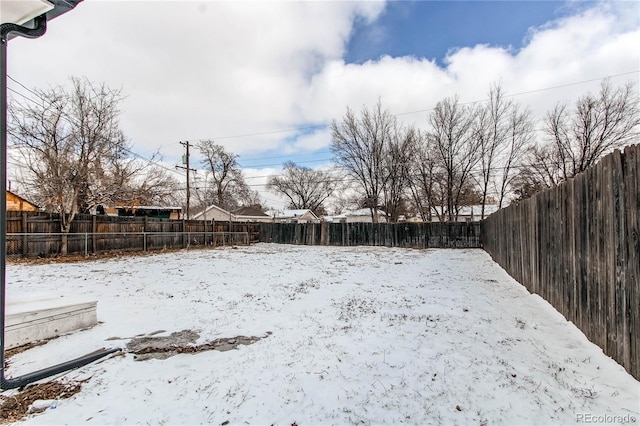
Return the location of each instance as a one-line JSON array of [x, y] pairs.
[[38, 234], [578, 246], [417, 235]]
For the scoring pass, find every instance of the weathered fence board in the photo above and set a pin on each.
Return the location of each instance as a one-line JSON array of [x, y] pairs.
[[416, 235], [578, 247], [38, 234]]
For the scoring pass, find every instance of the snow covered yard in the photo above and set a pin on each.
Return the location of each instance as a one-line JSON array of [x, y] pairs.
[[349, 335]]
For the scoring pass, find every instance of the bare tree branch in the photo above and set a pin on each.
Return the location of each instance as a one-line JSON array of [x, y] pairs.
[[359, 146], [304, 187], [67, 142]]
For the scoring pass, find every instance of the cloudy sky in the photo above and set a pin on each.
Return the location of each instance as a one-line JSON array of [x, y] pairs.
[[265, 78]]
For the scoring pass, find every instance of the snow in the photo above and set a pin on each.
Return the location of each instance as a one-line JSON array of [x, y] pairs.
[[359, 335]]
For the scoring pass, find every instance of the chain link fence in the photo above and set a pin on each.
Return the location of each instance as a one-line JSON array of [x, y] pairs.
[[50, 244]]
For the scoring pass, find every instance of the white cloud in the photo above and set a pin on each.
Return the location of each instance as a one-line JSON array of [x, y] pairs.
[[194, 69], [205, 69], [600, 41]]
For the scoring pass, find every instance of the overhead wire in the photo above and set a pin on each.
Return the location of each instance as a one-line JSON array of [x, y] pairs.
[[71, 118], [324, 125], [327, 124]]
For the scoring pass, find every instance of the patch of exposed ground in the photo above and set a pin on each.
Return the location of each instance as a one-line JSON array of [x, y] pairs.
[[8, 353], [74, 258], [16, 407], [182, 342]]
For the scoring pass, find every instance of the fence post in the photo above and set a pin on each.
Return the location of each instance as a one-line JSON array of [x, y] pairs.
[[86, 244], [144, 239], [25, 244], [94, 231]]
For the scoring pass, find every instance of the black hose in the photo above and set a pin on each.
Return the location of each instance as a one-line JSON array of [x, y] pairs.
[[24, 380], [5, 30]]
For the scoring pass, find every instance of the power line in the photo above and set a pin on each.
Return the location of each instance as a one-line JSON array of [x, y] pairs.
[[295, 129], [296, 162], [128, 150], [73, 119], [23, 86], [284, 156], [530, 91], [24, 96]]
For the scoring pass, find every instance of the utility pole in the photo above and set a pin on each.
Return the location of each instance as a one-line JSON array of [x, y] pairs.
[[185, 161]]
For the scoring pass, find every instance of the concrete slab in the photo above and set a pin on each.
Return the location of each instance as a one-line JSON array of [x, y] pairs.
[[31, 320]]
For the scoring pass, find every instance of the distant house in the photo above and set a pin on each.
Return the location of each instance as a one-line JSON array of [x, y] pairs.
[[356, 216], [336, 218], [215, 213], [249, 214], [467, 213], [294, 216], [474, 213], [16, 203], [243, 214], [415, 219]]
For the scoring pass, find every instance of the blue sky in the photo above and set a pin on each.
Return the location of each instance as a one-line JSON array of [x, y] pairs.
[[246, 73], [429, 29]]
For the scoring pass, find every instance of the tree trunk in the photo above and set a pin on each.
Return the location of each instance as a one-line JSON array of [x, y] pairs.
[[65, 227], [64, 244]]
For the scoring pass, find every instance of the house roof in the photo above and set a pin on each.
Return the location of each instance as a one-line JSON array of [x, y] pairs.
[[249, 211], [363, 212], [24, 200], [209, 208], [334, 217], [290, 214]]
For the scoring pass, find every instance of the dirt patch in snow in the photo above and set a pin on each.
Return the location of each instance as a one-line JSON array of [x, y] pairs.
[[16, 407], [112, 254], [183, 342], [8, 353]]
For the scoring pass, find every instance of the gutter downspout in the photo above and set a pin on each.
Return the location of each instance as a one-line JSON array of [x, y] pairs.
[[20, 381]]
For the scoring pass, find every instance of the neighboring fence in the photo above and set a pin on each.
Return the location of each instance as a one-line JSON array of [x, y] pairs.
[[416, 235], [44, 245], [38, 234], [578, 246]]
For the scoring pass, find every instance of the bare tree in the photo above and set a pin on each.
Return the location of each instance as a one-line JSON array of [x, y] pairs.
[[503, 130], [66, 142], [526, 183], [520, 137], [456, 151], [398, 159], [128, 179], [577, 139], [490, 129], [228, 188], [541, 169], [359, 146], [426, 178], [305, 188], [598, 124], [149, 185], [342, 202]]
